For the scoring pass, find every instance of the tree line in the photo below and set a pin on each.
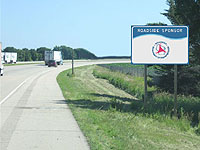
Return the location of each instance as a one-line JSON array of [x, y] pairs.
[[38, 54], [183, 12]]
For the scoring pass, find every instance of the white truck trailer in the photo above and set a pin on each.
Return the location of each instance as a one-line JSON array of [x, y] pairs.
[[1, 64], [13, 57], [53, 55], [9, 57]]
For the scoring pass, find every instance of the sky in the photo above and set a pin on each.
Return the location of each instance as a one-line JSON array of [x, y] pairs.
[[100, 26]]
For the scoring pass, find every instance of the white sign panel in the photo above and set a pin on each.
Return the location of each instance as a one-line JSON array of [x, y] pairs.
[[159, 45]]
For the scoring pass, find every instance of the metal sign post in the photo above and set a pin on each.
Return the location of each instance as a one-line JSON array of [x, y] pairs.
[[175, 89], [145, 85]]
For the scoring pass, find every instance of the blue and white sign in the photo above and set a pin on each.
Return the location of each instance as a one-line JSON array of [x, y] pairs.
[[159, 45]]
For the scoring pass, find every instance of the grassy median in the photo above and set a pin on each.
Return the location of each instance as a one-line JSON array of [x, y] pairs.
[[19, 64], [107, 118]]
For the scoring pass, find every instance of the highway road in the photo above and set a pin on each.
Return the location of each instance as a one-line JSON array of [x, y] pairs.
[[33, 115]]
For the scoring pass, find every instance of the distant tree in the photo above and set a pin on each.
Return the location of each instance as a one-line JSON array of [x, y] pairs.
[[20, 55], [66, 51], [27, 54], [41, 51], [84, 54], [10, 49], [34, 55], [57, 48], [157, 24], [40, 57], [38, 54]]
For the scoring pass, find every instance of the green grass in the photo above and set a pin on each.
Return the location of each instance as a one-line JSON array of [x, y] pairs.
[[21, 64], [108, 119], [157, 102], [131, 84]]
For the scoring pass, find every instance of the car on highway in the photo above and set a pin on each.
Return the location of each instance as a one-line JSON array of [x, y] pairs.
[[1, 69], [52, 63]]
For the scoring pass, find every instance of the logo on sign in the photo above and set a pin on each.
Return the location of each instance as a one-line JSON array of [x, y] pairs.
[[160, 50]]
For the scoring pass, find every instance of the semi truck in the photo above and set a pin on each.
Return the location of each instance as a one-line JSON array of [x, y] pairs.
[[1, 64], [53, 55]]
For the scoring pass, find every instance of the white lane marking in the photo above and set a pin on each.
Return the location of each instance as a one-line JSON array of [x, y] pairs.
[[11, 93]]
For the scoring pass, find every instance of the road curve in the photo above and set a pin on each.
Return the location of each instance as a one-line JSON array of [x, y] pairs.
[[33, 112]]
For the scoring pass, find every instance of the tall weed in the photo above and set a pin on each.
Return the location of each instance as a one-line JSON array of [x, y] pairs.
[[163, 103]]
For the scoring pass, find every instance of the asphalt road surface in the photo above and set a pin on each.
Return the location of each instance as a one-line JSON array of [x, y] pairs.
[[33, 113]]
